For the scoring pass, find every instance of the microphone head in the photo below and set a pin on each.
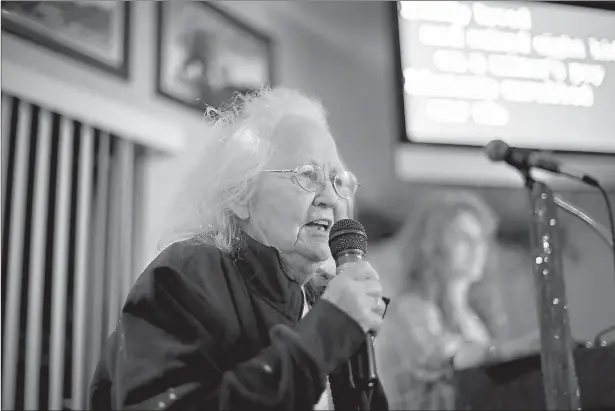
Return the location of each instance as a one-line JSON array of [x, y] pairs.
[[497, 150], [347, 234]]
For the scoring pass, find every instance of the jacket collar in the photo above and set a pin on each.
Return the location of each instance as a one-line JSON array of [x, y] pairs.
[[262, 267]]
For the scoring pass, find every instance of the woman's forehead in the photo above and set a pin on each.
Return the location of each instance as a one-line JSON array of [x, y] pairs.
[[303, 140]]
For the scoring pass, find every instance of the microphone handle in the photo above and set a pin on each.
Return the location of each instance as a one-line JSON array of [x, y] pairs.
[[363, 371], [362, 365]]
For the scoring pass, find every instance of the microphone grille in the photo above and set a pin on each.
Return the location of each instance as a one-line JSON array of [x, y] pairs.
[[496, 150], [347, 234]]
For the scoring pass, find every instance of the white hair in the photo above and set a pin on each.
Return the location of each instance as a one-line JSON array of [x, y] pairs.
[[225, 173]]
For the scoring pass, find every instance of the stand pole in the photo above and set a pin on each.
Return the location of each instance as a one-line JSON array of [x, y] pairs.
[[558, 368]]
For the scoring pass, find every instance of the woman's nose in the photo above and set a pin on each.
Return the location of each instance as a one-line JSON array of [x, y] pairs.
[[327, 196]]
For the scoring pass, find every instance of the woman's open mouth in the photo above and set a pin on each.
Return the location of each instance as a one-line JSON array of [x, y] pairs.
[[320, 225]]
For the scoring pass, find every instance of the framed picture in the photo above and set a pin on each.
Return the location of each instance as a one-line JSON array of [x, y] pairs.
[[206, 55], [93, 32]]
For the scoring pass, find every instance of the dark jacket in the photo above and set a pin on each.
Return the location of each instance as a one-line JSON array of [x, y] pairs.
[[206, 330]]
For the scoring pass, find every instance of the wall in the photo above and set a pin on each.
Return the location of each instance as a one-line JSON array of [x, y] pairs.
[[364, 119], [138, 91], [353, 77], [305, 59], [162, 172]]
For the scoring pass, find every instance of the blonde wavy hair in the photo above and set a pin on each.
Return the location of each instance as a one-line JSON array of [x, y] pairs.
[[422, 238], [425, 267], [240, 147]]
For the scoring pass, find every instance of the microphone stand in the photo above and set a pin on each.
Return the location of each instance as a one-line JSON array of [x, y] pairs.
[[558, 368]]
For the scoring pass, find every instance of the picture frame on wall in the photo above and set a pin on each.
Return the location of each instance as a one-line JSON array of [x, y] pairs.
[[96, 33], [206, 55]]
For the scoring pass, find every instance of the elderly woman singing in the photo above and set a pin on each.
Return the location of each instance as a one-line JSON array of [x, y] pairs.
[[219, 320]]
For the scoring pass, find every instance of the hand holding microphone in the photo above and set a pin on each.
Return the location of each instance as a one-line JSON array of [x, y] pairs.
[[356, 290]]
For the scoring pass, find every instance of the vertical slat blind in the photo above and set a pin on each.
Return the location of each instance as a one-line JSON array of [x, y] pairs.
[[7, 108], [114, 283], [12, 300], [60, 265], [37, 263], [126, 155], [81, 272], [68, 206], [99, 251]]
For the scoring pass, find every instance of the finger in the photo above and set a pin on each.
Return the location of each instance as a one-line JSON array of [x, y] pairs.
[[346, 267], [379, 308], [373, 288], [363, 271], [371, 271]]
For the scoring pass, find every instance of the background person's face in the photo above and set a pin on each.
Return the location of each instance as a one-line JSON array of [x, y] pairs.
[[466, 247], [281, 211]]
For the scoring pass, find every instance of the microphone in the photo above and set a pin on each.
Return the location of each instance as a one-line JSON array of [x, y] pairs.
[[348, 243], [525, 159]]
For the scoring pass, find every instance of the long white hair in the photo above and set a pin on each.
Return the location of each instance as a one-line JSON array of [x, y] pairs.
[[239, 149]]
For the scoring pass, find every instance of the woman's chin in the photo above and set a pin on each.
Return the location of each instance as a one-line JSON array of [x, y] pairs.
[[316, 252], [322, 254]]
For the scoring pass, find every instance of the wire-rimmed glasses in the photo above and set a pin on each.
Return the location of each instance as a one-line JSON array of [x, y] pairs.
[[312, 178]]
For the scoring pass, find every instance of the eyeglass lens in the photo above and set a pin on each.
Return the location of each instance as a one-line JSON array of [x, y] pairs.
[[312, 177]]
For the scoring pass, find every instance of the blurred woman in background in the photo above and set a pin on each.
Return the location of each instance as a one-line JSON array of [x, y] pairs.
[[432, 326]]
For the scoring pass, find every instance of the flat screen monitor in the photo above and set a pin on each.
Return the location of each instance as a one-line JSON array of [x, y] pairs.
[[534, 74]]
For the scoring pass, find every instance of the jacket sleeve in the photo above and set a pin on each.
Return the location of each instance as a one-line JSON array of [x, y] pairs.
[[175, 352], [347, 397]]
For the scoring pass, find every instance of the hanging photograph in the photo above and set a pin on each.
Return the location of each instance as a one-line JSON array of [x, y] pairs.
[[206, 55], [93, 32]]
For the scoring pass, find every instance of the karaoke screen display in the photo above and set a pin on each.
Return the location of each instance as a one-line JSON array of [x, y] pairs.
[[534, 74]]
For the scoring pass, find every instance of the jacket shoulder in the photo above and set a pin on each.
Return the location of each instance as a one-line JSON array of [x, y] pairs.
[[202, 266], [202, 279]]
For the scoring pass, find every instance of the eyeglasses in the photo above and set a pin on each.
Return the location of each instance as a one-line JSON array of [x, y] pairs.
[[312, 178]]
